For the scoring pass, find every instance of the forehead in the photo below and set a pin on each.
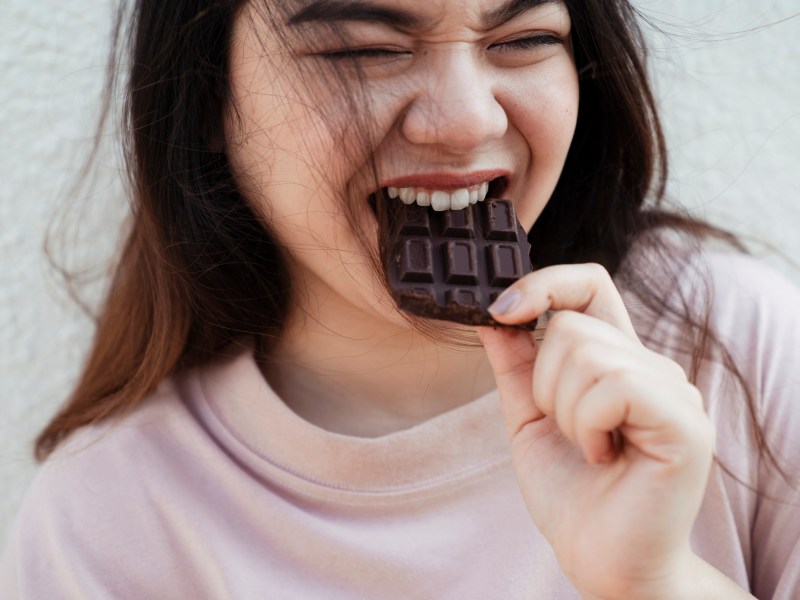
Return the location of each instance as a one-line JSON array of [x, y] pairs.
[[413, 14]]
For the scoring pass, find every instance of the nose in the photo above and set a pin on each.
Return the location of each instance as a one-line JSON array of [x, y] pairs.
[[455, 107]]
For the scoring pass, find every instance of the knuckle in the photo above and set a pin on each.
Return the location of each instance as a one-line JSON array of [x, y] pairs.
[[698, 429], [623, 378], [524, 285], [701, 435], [710, 434], [558, 321], [567, 426], [599, 273], [695, 396], [584, 356], [584, 417], [706, 429], [565, 324], [674, 369]]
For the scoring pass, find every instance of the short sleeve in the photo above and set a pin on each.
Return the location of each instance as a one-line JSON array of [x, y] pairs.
[[75, 536], [756, 312], [53, 551], [100, 521]]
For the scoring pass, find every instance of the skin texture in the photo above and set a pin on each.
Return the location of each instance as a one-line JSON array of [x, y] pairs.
[[451, 98], [602, 440], [618, 440]]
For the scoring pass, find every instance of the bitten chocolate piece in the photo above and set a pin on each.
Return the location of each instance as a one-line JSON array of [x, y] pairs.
[[453, 264]]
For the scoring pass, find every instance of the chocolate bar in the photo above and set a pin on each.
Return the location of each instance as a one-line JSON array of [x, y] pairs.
[[453, 264]]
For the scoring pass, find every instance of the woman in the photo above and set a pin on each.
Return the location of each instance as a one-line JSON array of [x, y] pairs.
[[257, 419]]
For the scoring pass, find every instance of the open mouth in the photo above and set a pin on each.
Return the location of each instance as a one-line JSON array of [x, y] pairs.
[[441, 200]]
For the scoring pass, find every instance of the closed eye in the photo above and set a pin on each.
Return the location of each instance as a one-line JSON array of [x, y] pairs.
[[364, 53], [527, 43]]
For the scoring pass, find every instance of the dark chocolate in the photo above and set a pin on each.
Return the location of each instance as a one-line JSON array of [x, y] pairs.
[[453, 264]]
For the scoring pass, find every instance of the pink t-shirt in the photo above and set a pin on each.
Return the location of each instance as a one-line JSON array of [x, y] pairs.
[[215, 489]]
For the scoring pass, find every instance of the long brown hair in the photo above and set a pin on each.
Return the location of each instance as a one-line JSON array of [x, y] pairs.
[[200, 270]]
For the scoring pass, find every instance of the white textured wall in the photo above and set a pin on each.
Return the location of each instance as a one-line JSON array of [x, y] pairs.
[[731, 107], [52, 56]]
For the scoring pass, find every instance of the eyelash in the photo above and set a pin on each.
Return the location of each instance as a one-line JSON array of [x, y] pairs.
[[353, 53], [525, 43]]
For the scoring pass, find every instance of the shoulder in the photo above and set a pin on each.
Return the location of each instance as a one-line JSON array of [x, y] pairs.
[[748, 317], [750, 381], [123, 449], [755, 313], [742, 300], [93, 523], [746, 291]]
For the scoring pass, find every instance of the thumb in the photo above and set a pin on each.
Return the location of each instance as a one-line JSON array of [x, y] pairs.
[[512, 354]]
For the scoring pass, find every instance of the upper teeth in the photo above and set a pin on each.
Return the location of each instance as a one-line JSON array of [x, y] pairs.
[[440, 200]]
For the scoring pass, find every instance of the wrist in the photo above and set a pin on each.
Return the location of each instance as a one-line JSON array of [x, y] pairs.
[[690, 578], [702, 581]]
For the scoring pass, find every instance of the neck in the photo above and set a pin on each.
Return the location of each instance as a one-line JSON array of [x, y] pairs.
[[360, 375]]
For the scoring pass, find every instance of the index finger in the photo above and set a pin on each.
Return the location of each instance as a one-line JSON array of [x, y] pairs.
[[586, 288]]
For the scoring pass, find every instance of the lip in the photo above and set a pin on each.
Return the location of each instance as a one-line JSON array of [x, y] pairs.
[[445, 181]]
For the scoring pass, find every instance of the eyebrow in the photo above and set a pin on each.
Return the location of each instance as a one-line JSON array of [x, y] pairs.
[[327, 11], [360, 10], [513, 9]]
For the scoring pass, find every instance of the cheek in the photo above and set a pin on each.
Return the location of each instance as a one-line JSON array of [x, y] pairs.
[[275, 128], [547, 109], [543, 109], [292, 160], [270, 136]]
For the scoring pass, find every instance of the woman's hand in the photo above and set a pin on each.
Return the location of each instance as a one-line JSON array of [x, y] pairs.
[[611, 444]]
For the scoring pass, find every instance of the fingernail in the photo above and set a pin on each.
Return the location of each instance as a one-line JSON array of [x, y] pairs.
[[507, 302]]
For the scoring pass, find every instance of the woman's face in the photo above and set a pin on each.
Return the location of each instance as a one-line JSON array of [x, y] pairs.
[[438, 96]]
